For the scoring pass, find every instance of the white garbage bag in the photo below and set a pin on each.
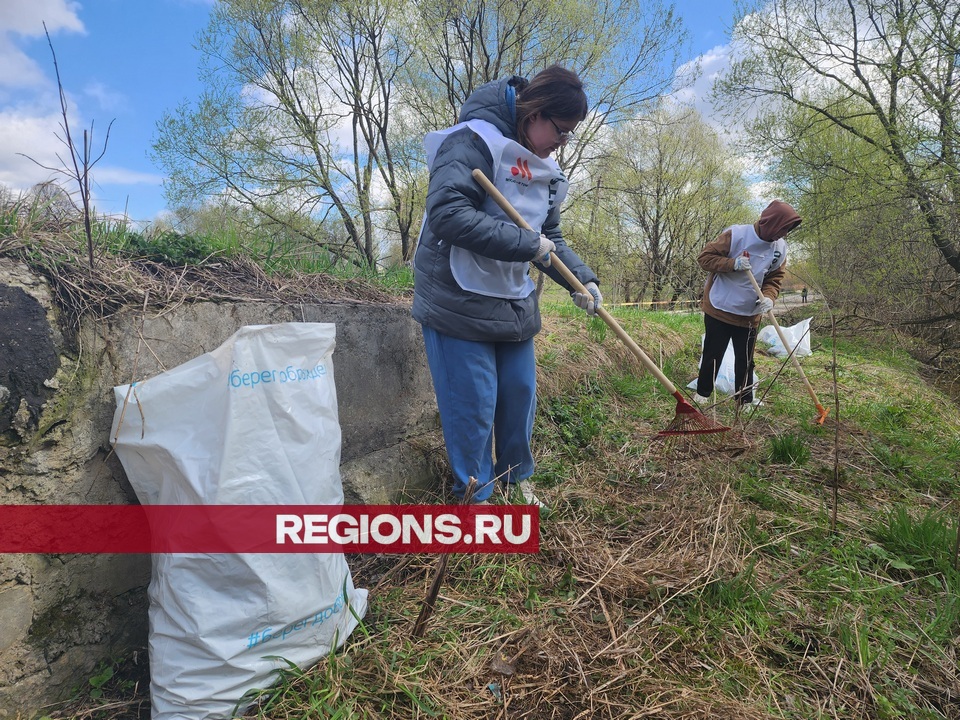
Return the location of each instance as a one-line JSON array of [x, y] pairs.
[[253, 422], [797, 335]]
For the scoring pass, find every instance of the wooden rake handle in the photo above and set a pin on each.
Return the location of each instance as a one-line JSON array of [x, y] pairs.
[[578, 286], [821, 412]]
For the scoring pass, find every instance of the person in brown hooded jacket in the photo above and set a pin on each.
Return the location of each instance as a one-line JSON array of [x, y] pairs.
[[731, 308]]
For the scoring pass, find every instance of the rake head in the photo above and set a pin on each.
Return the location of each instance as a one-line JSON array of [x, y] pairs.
[[689, 421]]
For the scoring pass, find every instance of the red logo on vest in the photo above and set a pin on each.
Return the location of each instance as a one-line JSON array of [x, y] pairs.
[[522, 168]]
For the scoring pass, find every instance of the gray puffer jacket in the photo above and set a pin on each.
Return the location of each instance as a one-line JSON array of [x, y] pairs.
[[455, 215]]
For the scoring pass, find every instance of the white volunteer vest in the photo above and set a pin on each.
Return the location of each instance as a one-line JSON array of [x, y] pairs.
[[732, 292], [533, 185]]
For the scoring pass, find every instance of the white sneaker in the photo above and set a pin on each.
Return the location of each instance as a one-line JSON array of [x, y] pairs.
[[529, 497], [700, 399]]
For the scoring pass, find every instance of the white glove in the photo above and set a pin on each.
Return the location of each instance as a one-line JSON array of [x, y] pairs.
[[741, 263], [764, 306], [591, 303], [547, 246]]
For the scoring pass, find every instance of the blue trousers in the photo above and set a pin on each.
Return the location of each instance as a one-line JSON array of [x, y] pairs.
[[487, 397]]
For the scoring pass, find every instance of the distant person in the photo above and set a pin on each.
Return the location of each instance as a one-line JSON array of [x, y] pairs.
[[472, 290], [731, 309], [803, 295]]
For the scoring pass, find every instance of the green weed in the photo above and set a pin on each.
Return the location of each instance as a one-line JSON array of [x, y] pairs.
[[788, 450], [630, 387], [103, 675], [738, 599], [596, 329], [169, 247], [682, 322], [577, 420], [13, 218], [757, 490], [924, 543]]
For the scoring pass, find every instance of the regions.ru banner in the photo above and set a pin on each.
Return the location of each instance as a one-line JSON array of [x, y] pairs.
[[62, 529]]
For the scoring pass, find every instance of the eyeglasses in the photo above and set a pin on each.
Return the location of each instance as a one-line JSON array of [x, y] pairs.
[[562, 135]]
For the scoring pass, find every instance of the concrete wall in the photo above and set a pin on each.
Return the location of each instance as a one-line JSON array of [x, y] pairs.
[[61, 615]]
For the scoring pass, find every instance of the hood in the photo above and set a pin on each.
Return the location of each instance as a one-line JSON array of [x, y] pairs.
[[495, 102], [777, 219]]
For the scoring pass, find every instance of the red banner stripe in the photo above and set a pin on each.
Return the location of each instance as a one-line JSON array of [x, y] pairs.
[[62, 529]]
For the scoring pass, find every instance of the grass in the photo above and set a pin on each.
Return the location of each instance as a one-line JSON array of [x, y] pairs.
[[921, 543], [790, 449], [695, 579], [690, 583], [27, 225]]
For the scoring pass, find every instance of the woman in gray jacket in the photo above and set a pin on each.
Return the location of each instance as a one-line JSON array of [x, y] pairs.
[[473, 294]]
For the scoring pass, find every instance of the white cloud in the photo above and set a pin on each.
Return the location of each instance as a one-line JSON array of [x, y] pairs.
[[27, 19], [762, 192], [112, 175], [35, 134], [712, 64], [19, 71], [107, 99], [31, 133], [30, 114]]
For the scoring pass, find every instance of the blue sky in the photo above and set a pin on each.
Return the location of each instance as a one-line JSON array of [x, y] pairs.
[[130, 61]]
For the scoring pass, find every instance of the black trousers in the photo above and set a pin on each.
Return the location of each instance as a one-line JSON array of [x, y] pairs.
[[718, 335]]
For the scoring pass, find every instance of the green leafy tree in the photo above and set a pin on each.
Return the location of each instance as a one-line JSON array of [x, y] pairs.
[[884, 72], [863, 242]]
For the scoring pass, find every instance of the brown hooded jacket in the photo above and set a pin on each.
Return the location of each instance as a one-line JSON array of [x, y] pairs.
[[776, 220]]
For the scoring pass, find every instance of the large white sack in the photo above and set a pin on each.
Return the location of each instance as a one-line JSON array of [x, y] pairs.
[[253, 422], [797, 336]]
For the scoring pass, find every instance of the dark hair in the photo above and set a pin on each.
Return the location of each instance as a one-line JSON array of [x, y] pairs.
[[556, 93]]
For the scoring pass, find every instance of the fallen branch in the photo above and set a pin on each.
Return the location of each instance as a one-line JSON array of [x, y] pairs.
[[426, 610]]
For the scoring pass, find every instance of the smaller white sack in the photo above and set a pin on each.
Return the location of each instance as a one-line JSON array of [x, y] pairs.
[[797, 335], [726, 375]]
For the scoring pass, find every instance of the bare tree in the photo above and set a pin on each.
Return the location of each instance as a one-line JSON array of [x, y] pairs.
[[53, 203], [293, 119], [625, 52], [675, 187], [81, 158], [366, 48], [319, 109]]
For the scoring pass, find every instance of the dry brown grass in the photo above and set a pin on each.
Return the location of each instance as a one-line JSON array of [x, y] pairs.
[[594, 647], [115, 282]]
